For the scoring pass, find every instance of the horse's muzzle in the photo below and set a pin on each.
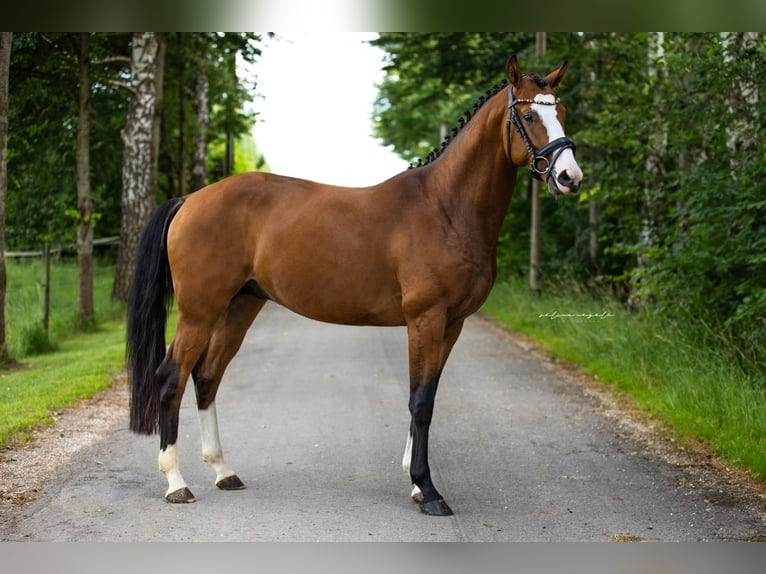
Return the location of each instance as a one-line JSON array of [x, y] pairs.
[[564, 180]]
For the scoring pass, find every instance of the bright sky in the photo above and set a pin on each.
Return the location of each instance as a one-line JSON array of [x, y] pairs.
[[315, 117]]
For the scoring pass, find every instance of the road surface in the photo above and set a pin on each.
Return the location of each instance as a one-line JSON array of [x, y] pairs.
[[314, 420]]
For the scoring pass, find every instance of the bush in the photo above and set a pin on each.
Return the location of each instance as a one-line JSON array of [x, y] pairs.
[[35, 340]]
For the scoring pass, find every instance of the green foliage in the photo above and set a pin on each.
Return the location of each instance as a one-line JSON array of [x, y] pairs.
[[43, 116], [215, 54], [431, 79], [43, 133]]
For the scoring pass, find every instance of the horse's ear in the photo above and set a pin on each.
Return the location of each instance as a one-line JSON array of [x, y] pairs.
[[513, 72], [555, 77]]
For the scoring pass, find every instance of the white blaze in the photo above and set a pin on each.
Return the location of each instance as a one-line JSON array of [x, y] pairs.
[[546, 111]]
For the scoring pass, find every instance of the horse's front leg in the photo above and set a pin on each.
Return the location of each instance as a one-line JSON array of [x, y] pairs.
[[430, 341]]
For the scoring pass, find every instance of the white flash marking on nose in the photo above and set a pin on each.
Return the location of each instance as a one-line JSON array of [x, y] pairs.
[[547, 112]]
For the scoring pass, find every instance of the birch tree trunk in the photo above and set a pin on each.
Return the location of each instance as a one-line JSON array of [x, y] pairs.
[[658, 141], [535, 223], [740, 132], [85, 312], [137, 194], [159, 104], [656, 149], [182, 162], [5, 64], [199, 167]]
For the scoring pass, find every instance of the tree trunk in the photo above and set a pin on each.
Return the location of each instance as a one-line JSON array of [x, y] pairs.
[[137, 197], [86, 314], [656, 149], [231, 63], [536, 218], [158, 113], [182, 119], [658, 142], [5, 64], [741, 131], [593, 223], [199, 168]]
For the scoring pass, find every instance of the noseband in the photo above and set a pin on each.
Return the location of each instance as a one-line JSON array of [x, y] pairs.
[[539, 164]]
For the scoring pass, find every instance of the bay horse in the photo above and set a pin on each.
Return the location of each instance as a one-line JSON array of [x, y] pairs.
[[417, 250]]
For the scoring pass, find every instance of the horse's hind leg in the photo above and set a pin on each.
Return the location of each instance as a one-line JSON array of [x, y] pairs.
[[193, 333], [172, 376], [224, 344]]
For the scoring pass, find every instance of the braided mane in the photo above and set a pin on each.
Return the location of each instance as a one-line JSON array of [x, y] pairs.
[[462, 121]]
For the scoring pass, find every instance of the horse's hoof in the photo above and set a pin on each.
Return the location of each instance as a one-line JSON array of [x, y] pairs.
[[436, 508], [182, 495], [230, 483]]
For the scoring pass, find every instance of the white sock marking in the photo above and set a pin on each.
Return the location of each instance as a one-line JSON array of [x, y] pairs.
[[168, 463], [212, 452]]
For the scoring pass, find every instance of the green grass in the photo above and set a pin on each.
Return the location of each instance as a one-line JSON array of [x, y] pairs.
[[672, 373], [83, 365], [60, 367], [25, 298]]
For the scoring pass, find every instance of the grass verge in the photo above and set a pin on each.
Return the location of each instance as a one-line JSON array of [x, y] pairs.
[[24, 305], [58, 367], [82, 366], [670, 372]]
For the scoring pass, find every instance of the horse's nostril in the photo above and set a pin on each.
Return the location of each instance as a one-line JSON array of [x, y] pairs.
[[566, 181]]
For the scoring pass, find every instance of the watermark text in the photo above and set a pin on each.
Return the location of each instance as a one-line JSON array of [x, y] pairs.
[[587, 316]]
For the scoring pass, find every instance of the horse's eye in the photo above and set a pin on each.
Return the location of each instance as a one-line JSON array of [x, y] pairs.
[[529, 117]]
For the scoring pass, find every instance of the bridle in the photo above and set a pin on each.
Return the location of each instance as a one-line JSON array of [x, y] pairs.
[[539, 164]]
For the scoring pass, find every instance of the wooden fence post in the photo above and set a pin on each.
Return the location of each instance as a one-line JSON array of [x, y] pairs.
[[47, 291]]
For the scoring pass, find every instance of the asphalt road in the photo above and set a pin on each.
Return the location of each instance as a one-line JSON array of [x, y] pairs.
[[314, 419]]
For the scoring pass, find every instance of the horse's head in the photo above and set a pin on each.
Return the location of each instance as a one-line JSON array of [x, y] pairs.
[[535, 129]]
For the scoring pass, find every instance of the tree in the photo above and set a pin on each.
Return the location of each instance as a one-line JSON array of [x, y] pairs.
[[535, 216], [199, 165], [86, 312], [137, 195], [5, 63]]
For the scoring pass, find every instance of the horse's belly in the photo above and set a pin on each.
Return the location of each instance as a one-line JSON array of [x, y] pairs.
[[339, 296]]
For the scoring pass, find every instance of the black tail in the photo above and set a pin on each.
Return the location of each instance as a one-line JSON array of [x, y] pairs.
[[151, 294]]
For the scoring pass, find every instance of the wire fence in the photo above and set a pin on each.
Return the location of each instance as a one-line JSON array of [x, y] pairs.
[[114, 240], [43, 289]]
